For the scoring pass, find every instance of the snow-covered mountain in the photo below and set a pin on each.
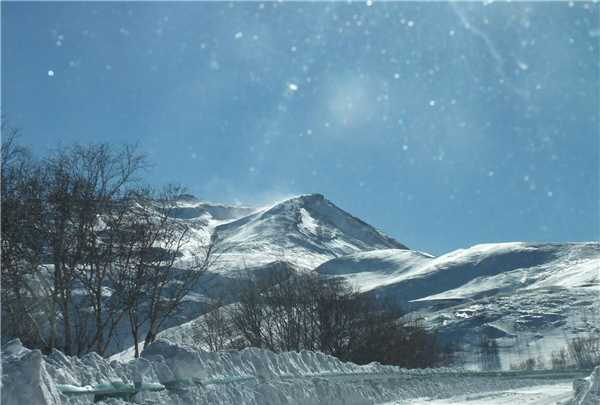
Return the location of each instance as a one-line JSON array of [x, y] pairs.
[[304, 231], [529, 298]]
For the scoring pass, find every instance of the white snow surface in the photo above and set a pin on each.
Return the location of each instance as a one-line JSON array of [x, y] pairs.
[[538, 395], [29, 378], [579, 392]]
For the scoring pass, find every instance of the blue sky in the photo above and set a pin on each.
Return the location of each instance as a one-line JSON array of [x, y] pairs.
[[443, 125]]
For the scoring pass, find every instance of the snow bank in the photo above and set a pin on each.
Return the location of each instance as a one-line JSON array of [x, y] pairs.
[[302, 378], [25, 379], [587, 391]]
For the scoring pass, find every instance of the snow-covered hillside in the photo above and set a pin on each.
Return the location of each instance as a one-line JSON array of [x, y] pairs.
[[530, 298], [303, 231]]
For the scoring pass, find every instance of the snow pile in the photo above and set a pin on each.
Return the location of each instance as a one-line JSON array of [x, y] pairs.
[[25, 379], [187, 362], [587, 391], [28, 377], [288, 378]]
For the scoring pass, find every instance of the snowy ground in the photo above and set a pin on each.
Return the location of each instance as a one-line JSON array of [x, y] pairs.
[[539, 395]]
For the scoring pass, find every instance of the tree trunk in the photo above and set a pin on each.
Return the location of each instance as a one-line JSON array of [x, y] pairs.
[[68, 349], [150, 337]]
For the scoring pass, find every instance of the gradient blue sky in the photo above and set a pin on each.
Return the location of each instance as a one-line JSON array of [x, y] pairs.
[[443, 125]]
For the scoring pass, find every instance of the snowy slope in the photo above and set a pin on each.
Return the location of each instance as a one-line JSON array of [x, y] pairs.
[[483, 270], [369, 270], [304, 231], [204, 216], [529, 297]]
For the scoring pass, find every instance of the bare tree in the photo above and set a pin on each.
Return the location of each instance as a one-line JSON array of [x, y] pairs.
[[213, 329], [163, 277], [52, 212], [256, 307], [286, 310], [24, 307], [85, 247], [83, 182], [107, 272]]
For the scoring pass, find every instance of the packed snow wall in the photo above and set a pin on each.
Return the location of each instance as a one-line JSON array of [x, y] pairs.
[[173, 374], [587, 391]]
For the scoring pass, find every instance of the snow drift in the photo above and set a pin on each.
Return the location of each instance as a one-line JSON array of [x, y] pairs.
[[587, 391], [30, 378]]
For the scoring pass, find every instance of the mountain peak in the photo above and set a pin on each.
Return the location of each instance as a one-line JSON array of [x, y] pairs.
[[311, 197], [303, 199], [308, 227]]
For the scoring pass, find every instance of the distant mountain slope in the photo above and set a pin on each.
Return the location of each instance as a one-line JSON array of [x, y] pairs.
[[370, 270], [483, 270], [204, 216], [530, 297]]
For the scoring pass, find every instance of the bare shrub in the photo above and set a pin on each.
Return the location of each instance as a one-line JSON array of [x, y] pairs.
[[282, 309], [585, 351], [582, 352], [559, 359]]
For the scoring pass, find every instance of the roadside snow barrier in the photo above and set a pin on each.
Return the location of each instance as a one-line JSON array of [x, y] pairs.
[[172, 374], [115, 389], [124, 390], [120, 389]]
